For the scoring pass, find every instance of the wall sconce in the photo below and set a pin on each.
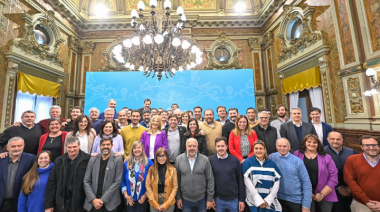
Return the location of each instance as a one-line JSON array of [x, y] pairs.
[[376, 87]]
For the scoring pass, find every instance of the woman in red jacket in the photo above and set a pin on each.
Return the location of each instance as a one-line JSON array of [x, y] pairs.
[[242, 139], [54, 140]]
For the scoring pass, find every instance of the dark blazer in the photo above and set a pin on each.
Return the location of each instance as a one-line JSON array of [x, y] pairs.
[[56, 185], [326, 128], [115, 115], [26, 162], [227, 120], [226, 130], [141, 110], [287, 131], [202, 144], [181, 130]]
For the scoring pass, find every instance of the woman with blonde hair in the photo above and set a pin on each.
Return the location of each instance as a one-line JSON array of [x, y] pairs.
[[161, 183], [154, 137], [242, 139], [262, 180], [185, 119], [32, 195], [135, 172]]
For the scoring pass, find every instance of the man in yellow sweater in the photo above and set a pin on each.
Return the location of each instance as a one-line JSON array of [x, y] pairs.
[[132, 132], [212, 129]]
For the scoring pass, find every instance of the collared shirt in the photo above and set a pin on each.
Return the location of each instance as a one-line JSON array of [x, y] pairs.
[[12, 171], [337, 152], [27, 126], [318, 128], [298, 125], [192, 162], [137, 165], [83, 142], [286, 120], [121, 126], [217, 155], [134, 126], [152, 143], [370, 163], [285, 156], [278, 122]]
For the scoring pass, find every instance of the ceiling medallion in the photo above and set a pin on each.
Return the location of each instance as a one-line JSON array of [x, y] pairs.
[[157, 46]]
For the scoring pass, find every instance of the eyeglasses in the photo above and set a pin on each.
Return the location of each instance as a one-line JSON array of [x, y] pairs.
[[161, 156], [263, 118], [93, 111], [370, 145]]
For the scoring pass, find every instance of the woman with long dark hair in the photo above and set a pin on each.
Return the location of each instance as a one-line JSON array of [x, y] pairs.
[[109, 129], [322, 172], [54, 140], [161, 183], [82, 129], [32, 195], [193, 131]]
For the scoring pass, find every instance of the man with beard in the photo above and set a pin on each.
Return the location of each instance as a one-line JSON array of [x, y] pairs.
[[132, 132], [146, 119], [282, 118], [221, 111], [111, 104], [233, 113], [103, 195], [147, 104], [12, 168], [122, 119], [212, 129], [195, 178], [229, 183], [251, 115], [198, 114], [65, 187], [74, 112]]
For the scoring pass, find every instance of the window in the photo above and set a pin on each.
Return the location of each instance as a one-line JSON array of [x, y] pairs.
[[39, 104], [294, 29], [41, 35]]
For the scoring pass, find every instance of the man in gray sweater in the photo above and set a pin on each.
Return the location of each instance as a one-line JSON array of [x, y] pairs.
[[195, 179]]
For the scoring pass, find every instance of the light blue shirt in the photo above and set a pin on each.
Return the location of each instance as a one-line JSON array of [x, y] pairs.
[[192, 161], [217, 155], [370, 163], [137, 165]]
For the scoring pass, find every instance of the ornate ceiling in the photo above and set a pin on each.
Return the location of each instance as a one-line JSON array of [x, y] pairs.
[[199, 13]]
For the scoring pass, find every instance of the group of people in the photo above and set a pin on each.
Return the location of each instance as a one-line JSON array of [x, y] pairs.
[[156, 160]]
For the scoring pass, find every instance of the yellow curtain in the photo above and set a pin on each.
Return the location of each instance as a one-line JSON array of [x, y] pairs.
[[35, 85], [304, 80]]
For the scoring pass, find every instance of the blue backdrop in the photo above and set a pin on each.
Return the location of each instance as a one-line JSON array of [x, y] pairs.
[[208, 89]]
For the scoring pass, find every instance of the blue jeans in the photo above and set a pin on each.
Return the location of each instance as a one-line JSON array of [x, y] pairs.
[[227, 206], [199, 206], [137, 207]]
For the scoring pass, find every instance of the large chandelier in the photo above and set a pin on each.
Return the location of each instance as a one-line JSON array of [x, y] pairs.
[[157, 46]]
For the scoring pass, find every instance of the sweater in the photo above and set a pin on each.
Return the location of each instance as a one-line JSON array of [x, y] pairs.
[[31, 137], [130, 135], [262, 184], [299, 133], [194, 185], [362, 179], [269, 136], [229, 183], [34, 202], [211, 134], [295, 185]]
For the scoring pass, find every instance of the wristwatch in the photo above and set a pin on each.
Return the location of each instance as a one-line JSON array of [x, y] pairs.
[[322, 195]]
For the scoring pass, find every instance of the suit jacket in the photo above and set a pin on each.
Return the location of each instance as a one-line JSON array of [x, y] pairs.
[[226, 130], [90, 139], [141, 110], [161, 141], [181, 130], [287, 131], [26, 162], [111, 185], [115, 115], [326, 128]]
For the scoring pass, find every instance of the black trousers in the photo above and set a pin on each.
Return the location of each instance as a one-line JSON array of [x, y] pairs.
[[343, 204], [7, 206], [290, 206], [102, 209]]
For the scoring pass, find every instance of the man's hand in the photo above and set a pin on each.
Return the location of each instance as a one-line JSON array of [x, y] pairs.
[[119, 154], [94, 154], [374, 205], [142, 199], [63, 125], [241, 206], [179, 204], [209, 205], [344, 190], [201, 132], [305, 209], [213, 204], [49, 210], [3, 155], [116, 121], [17, 124], [98, 203]]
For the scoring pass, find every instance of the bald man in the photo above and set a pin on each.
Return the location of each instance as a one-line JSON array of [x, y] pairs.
[[339, 154]]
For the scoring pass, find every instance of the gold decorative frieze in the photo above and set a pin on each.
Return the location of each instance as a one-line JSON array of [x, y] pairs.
[[261, 42], [355, 95], [87, 47]]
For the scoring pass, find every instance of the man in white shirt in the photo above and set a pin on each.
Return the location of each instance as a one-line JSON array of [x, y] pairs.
[[322, 128]]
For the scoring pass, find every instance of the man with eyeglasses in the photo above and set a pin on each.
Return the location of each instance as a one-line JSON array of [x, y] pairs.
[[266, 133], [339, 154], [361, 173]]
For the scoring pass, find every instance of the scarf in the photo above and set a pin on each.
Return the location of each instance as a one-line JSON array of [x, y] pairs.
[[135, 185]]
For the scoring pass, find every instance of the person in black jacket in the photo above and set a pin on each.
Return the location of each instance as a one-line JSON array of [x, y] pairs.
[[174, 135], [339, 154], [193, 132], [65, 188], [233, 113], [266, 133]]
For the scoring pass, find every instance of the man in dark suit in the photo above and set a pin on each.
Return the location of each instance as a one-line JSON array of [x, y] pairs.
[[174, 135], [147, 104], [296, 129], [322, 128], [13, 168], [233, 113]]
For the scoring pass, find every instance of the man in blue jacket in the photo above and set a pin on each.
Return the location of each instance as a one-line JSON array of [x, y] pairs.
[[294, 194], [12, 169], [322, 128]]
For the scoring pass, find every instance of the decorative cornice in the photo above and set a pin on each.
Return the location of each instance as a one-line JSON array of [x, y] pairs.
[[262, 42], [86, 47], [2, 2]]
